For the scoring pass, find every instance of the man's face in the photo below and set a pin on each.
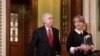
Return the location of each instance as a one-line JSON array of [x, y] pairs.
[[48, 20]]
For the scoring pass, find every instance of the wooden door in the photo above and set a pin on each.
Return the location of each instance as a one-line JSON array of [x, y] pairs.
[[21, 22], [69, 9]]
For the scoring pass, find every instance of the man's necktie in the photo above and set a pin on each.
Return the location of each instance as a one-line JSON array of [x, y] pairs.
[[50, 37]]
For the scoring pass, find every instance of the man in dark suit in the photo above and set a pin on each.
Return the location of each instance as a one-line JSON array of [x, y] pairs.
[[45, 39]]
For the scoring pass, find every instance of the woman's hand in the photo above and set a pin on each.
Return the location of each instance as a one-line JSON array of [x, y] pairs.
[[77, 48], [85, 47]]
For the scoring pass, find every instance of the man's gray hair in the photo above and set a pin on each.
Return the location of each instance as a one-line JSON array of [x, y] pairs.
[[45, 15]]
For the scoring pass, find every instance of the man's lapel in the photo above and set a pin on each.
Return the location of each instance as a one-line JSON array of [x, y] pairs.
[[45, 35], [53, 34]]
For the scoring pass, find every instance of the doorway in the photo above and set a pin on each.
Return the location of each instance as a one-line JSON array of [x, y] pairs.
[[26, 13], [21, 22]]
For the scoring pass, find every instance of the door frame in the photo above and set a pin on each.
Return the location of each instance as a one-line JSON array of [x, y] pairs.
[[7, 26], [35, 15]]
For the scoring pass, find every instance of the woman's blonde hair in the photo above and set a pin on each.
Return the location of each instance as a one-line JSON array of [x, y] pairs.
[[79, 18]]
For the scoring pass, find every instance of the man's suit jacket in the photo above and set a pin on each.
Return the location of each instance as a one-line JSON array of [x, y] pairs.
[[75, 40], [41, 43]]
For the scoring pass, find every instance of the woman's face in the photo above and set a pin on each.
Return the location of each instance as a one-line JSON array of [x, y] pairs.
[[78, 24]]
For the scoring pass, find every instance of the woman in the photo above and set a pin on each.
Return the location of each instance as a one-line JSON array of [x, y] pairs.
[[79, 42]]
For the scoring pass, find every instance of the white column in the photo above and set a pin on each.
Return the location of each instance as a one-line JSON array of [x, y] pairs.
[[3, 27], [97, 21], [86, 10], [93, 17], [89, 12]]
